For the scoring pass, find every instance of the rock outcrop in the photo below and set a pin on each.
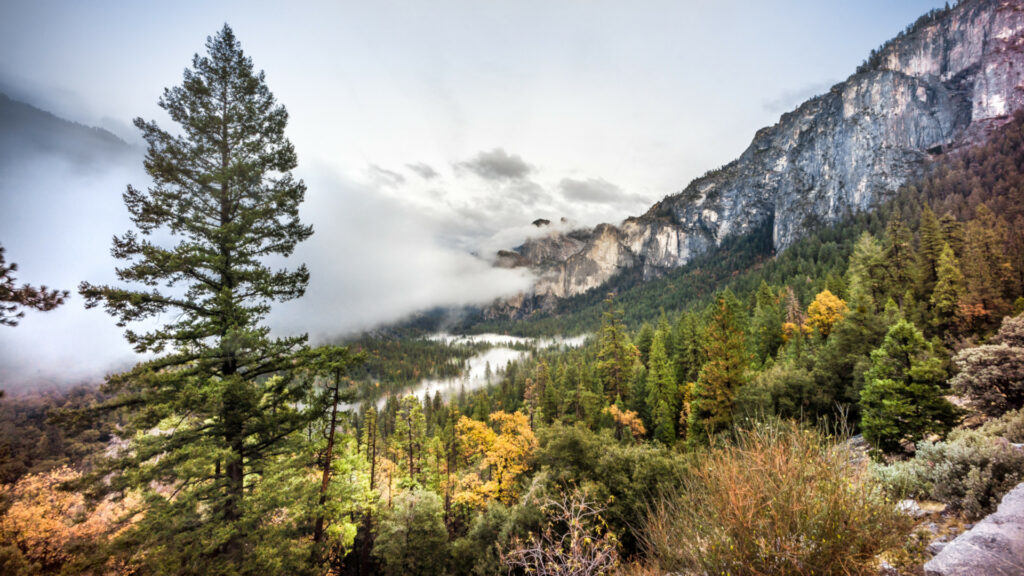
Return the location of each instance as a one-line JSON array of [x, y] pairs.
[[993, 547], [942, 85]]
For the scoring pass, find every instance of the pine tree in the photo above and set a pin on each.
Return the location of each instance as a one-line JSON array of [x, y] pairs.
[[662, 391], [722, 375], [952, 233], [689, 352], [867, 269], [840, 364], [766, 325], [222, 392], [330, 363], [644, 339], [13, 297], [615, 357], [948, 292], [987, 270], [899, 256], [928, 253], [902, 401], [410, 434]]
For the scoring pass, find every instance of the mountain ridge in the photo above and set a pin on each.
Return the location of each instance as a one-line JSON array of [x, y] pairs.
[[942, 84]]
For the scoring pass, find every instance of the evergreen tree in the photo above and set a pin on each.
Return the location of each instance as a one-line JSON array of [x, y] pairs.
[[644, 339], [222, 393], [952, 233], [372, 443], [929, 250], [553, 397], [13, 297], [410, 435], [766, 325], [839, 366], [948, 292], [666, 329], [986, 268], [899, 256], [902, 401], [412, 539], [330, 363], [689, 352], [722, 375], [867, 269], [662, 392], [615, 357], [638, 397]]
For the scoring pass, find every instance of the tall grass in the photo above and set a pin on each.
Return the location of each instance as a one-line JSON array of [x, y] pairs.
[[777, 500]]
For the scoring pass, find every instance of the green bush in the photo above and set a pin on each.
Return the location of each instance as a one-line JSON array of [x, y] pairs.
[[970, 471], [780, 500]]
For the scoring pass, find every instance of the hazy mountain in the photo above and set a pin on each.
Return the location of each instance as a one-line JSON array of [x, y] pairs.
[[28, 132]]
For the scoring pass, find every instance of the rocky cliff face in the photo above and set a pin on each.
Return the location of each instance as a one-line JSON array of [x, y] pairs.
[[942, 85]]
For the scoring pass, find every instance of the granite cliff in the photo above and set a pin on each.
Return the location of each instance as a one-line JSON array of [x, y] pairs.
[[941, 85]]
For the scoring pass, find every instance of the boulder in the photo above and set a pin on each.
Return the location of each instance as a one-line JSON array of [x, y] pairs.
[[993, 547]]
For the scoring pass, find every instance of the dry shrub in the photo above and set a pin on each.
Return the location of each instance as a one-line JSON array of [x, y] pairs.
[[778, 500], [575, 542]]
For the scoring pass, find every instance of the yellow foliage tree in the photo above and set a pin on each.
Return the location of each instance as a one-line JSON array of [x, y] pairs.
[[824, 312], [496, 458]]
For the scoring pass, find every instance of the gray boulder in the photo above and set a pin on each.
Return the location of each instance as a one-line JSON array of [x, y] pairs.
[[993, 547]]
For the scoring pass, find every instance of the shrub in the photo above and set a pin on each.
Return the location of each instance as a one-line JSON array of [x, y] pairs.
[[575, 542], [971, 471], [779, 500], [1009, 426], [992, 376]]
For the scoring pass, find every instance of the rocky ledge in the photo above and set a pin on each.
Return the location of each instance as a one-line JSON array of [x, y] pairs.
[[993, 547]]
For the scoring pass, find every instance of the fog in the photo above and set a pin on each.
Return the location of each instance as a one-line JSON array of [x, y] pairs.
[[373, 259]]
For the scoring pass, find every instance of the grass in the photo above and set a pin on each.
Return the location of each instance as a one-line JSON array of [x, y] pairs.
[[778, 500]]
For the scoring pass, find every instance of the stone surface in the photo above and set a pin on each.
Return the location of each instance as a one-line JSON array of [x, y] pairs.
[[994, 546], [940, 87], [910, 508]]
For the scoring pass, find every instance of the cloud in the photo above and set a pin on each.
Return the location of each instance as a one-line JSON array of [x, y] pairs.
[[596, 191], [425, 171], [497, 165], [591, 190], [385, 177], [375, 259], [790, 99]]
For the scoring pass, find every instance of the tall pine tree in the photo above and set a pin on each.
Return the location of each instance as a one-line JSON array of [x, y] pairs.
[[723, 373], [220, 392]]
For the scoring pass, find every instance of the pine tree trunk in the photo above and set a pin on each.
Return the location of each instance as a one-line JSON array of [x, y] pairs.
[[318, 529]]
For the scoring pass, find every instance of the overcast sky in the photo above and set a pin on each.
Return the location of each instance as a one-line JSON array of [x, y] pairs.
[[427, 131]]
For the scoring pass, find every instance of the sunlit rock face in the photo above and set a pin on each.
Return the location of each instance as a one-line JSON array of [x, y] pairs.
[[940, 87]]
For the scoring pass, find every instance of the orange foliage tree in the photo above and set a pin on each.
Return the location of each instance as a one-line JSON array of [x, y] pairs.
[[52, 527]]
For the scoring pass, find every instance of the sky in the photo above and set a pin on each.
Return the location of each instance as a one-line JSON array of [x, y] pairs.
[[430, 134]]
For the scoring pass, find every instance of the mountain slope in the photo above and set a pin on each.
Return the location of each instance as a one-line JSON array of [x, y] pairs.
[[943, 84], [28, 132]]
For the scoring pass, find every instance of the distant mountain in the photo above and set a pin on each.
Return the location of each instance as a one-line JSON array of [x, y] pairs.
[[27, 132], [941, 85]]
